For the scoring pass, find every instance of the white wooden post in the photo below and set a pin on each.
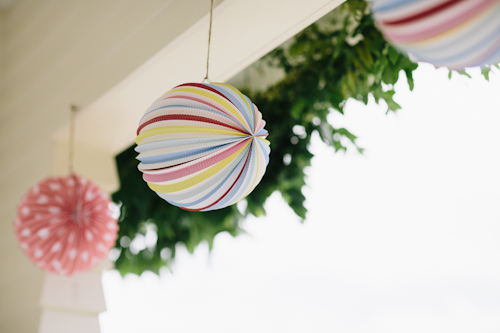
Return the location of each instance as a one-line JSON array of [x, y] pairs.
[[72, 304]]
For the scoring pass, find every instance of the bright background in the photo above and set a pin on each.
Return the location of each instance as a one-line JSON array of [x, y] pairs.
[[404, 238]]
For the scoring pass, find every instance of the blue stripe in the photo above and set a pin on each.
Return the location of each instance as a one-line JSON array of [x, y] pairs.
[[266, 150], [238, 103], [184, 142], [194, 203], [262, 132], [236, 186], [470, 35], [175, 156], [252, 109], [378, 6], [192, 192]]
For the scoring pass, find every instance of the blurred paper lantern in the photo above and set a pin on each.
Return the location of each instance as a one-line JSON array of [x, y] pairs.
[[451, 33], [202, 146], [66, 225]]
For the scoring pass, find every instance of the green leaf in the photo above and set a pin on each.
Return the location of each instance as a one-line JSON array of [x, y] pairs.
[[393, 54], [464, 73], [486, 73]]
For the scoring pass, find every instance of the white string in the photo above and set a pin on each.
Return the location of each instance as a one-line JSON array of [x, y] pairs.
[[209, 38], [71, 145]]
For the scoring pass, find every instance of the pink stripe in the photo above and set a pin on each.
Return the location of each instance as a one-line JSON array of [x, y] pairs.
[[235, 181], [440, 27], [209, 104], [262, 124], [195, 167], [480, 59], [436, 8]]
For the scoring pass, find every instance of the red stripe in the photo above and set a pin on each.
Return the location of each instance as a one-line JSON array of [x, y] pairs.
[[425, 13], [229, 114], [204, 86], [186, 117], [246, 161]]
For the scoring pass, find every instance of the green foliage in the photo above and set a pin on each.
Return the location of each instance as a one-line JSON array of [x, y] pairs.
[[343, 57], [141, 208]]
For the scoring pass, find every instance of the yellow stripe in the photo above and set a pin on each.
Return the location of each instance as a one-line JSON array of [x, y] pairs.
[[267, 142], [214, 97], [198, 178], [184, 129], [239, 94], [257, 173], [258, 165]]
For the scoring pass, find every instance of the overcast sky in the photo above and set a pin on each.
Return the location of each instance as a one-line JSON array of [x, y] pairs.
[[405, 238]]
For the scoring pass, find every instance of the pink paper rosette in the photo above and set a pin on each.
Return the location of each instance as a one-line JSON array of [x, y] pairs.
[[66, 225]]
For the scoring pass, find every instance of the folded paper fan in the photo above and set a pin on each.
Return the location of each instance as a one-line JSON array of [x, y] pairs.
[[202, 146], [66, 225], [450, 33]]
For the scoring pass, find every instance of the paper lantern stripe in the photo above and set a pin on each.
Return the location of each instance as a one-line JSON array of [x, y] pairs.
[[182, 142], [210, 99], [222, 188], [185, 150], [242, 104], [202, 146], [181, 145], [236, 188], [238, 105], [207, 196], [191, 195], [429, 11], [222, 199], [482, 33], [452, 33], [214, 155], [185, 129], [483, 51], [202, 87], [198, 178], [180, 157], [204, 109], [200, 191], [234, 96], [194, 111], [186, 118], [434, 25], [192, 167], [177, 155]]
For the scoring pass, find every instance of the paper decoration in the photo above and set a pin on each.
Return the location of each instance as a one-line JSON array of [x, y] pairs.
[[202, 146], [451, 33], [66, 224]]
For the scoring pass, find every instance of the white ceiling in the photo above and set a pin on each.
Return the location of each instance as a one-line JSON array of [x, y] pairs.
[[6, 3]]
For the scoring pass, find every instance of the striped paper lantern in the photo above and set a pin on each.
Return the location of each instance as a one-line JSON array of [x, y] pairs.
[[66, 225], [450, 33], [202, 146]]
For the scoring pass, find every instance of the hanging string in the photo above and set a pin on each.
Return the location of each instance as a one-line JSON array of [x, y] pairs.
[[71, 145], [209, 38]]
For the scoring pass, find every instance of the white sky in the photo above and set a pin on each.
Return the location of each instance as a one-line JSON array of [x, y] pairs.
[[405, 238]]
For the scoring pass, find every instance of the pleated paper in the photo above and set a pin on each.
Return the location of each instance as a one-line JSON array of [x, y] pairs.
[[202, 146], [66, 225], [450, 33]]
